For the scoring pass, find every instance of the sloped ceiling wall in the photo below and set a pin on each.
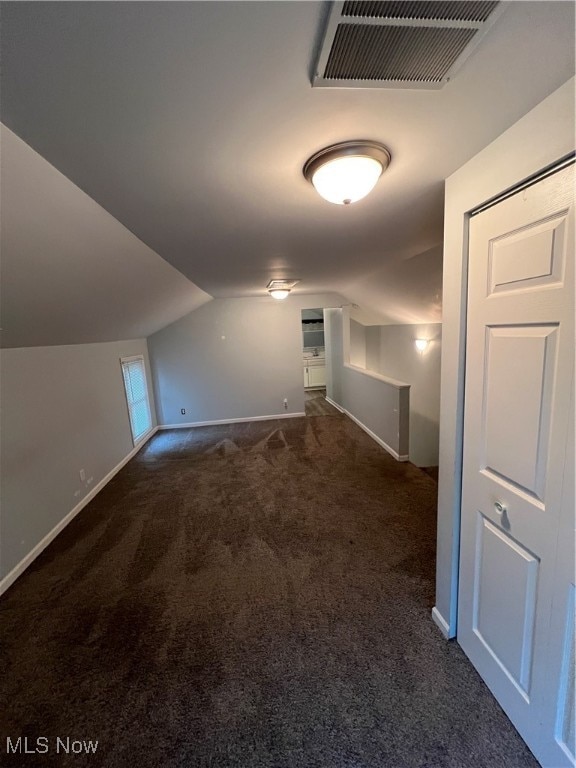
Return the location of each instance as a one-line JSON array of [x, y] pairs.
[[402, 291], [71, 273]]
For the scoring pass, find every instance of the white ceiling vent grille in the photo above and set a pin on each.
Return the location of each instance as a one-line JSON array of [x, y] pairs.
[[404, 44]]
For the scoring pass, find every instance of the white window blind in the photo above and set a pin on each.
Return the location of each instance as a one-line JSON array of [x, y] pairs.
[[137, 396]]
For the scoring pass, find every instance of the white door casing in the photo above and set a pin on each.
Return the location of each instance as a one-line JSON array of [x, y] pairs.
[[516, 583]]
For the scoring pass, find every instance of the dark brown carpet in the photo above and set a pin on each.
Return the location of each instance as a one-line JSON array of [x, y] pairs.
[[317, 405], [432, 472], [252, 596]]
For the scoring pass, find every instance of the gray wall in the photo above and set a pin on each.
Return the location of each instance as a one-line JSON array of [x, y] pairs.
[[357, 344], [379, 405], [232, 359], [334, 360], [390, 350], [63, 409]]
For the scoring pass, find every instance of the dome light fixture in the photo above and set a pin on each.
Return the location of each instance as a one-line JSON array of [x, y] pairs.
[[280, 289], [279, 293], [346, 172]]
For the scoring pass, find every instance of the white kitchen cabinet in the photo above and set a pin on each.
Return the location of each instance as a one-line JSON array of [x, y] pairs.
[[314, 374]]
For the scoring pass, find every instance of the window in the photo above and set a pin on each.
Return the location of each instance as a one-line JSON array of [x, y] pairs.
[[134, 374]]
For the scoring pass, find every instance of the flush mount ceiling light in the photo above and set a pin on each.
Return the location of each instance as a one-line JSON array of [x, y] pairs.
[[346, 172], [280, 289]]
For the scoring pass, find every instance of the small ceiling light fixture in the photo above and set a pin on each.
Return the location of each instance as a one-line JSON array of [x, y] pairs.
[[280, 289], [346, 172], [421, 344]]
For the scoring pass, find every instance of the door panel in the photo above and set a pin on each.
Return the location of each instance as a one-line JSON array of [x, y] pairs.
[[561, 717], [517, 419], [515, 498], [566, 714], [504, 601], [529, 258]]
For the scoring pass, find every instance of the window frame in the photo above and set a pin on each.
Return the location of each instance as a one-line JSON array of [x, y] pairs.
[[132, 359]]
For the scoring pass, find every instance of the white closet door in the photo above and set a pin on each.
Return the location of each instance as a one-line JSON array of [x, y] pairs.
[[516, 619]]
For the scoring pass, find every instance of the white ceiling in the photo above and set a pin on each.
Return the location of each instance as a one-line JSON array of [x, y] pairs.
[[190, 122]]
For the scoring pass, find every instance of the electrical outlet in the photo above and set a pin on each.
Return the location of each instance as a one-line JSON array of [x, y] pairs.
[[285, 403], [82, 475], [183, 411], [89, 481]]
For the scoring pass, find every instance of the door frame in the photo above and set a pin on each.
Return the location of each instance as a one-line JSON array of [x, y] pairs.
[[514, 159]]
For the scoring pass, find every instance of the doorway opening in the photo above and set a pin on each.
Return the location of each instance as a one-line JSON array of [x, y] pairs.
[[314, 363]]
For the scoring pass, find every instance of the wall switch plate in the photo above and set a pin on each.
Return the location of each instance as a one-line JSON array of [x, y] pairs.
[[82, 475]]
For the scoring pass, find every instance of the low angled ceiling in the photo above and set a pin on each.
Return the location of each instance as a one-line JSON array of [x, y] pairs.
[[71, 273], [190, 122]]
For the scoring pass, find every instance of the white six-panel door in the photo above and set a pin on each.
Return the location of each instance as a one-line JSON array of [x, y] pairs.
[[516, 594]]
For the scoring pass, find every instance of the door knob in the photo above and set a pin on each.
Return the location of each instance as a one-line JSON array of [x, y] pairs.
[[499, 507]]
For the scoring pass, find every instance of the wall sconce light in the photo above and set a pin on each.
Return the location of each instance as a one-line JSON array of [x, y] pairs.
[[346, 172], [280, 289], [421, 345]]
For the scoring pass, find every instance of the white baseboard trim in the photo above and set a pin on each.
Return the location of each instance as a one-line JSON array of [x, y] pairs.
[[11, 577], [441, 623], [232, 421], [334, 403], [375, 437]]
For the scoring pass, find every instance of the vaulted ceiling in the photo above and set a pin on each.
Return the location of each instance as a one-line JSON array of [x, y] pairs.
[[189, 123]]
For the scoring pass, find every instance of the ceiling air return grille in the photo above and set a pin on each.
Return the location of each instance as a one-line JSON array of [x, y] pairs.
[[400, 44], [466, 10]]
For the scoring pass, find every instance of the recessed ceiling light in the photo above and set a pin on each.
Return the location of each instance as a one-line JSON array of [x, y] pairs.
[[347, 172], [280, 289]]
